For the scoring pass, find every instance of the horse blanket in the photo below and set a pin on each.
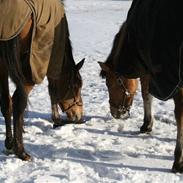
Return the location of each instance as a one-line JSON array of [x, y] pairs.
[[48, 35], [154, 43]]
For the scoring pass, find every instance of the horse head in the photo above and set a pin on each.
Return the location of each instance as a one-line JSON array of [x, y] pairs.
[[121, 91], [72, 103]]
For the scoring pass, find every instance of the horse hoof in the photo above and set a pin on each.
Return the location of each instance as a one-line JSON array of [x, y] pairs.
[[177, 168], [145, 130], [24, 156]]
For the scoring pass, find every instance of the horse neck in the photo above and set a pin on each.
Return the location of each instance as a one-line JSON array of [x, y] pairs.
[[114, 57]]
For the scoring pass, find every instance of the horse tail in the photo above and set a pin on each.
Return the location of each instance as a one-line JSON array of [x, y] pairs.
[[10, 53]]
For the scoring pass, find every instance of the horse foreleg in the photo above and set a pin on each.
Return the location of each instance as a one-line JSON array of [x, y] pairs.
[[178, 162], [55, 114], [19, 105], [147, 101], [28, 88], [54, 103]]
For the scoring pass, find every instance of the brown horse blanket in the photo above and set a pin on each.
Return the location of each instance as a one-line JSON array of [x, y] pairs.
[[48, 35], [153, 44]]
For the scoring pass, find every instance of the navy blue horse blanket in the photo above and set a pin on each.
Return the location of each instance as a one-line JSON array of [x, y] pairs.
[[153, 45]]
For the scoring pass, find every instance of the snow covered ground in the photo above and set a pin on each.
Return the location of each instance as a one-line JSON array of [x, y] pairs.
[[103, 150]]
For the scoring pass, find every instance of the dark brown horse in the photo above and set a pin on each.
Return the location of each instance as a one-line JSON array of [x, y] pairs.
[[64, 91], [122, 90], [148, 46]]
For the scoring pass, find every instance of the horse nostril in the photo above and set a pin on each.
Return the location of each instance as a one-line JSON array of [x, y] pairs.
[[79, 116], [75, 118], [125, 115], [120, 115], [115, 116]]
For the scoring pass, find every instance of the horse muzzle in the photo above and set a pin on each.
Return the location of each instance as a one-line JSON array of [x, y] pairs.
[[120, 113], [74, 111], [74, 116]]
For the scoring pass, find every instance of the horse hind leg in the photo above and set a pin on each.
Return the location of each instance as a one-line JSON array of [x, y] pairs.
[[20, 95], [147, 101], [178, 162], [6, 106], [19, 99]]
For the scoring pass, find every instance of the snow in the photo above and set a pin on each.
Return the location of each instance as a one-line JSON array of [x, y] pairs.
[[103, 150]]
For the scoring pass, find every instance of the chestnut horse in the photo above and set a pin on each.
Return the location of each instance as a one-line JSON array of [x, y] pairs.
[[141, 49], [64, 91]]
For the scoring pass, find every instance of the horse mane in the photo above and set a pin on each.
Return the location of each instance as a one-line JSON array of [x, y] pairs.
[[68, 57], [114, 55]]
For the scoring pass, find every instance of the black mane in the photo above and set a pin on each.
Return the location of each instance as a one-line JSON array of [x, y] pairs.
[[114, 55]]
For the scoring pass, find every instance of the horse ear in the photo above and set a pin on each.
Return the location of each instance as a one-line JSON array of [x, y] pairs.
[[104, 66], [80, 64]]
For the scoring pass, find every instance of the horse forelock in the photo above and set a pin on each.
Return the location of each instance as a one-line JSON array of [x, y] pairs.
[[104, 73]]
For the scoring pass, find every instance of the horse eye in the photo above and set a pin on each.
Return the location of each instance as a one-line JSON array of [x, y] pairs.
[[119, 81]]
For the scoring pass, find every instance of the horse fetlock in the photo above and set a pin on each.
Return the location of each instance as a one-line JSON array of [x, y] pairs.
[[20, 151], [147, 126], [9, 143]]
